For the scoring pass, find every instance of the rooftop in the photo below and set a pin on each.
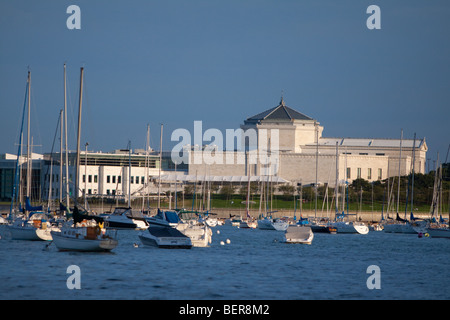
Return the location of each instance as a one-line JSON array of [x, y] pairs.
[[280, 112]]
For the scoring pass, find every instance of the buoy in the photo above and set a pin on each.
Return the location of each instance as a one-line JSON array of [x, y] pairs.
[[420, 235], [228, 241], [222, 243], [218, 231], [135, 245], [427, 234]]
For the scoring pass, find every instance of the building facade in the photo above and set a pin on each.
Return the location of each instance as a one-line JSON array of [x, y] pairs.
[[279, 144], [302, 155]]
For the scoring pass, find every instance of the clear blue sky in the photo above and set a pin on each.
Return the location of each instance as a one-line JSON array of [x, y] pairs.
[[173, 62]]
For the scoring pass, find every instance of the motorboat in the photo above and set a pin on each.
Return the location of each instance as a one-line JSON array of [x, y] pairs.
[[198, 231], [165, 237], [298, 234], [124, 218], [350, 227]]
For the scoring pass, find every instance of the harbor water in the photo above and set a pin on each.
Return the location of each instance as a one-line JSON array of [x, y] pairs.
[[254, 265]]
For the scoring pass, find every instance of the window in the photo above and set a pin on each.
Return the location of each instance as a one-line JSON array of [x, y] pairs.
[[358, 173], [380, 174], [142, 180], [108, 179], [349, 173], [95, 178], [113, 179], [137, 180], [90, 178], [369, 174], [119, 179], [132, 179], [84, 178]]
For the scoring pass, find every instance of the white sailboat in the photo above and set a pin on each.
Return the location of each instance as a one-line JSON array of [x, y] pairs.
[[33, 225], [339, 225], [439, 229], [248, 222], [87, 233]]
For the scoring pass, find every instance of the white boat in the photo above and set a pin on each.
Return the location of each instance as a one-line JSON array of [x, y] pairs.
[[199, 233], [298, 234], [265, 224], [280, 224], [85, 238], [165, 237], [124, 218], [270, 224], [350, 227], [403, 226], [248, 224], [36, 228], [439, 232]]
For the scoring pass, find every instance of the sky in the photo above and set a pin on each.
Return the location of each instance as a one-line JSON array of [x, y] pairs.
[[173, 62]]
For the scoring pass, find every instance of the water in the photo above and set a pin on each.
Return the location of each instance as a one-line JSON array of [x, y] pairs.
[[254, 266]]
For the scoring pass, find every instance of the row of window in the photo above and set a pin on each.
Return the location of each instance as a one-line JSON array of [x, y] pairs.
[[359, 174], [116, 179]]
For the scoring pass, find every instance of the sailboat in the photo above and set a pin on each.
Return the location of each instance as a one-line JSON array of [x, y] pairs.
[[248, 222], [84, 232], [439, 229], [339, 225], [33, 224], [124, 217]]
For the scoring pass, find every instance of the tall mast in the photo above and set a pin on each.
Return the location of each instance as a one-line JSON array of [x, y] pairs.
[[336, 191], [60, 154], [160, 164], [78, 137], [65, 137], [28, 139], [412, 180], [399, 163]]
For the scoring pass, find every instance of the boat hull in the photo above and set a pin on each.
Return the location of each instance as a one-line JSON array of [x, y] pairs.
[[23, 233], [265, 224], [439, 232], [64, 243], [348, 227], [165, 237]]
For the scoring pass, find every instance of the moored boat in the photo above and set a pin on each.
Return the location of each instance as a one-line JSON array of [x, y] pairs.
[[298, 234], [165, 237]]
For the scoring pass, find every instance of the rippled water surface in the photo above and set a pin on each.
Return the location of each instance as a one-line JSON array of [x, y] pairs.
[[255, 265]]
